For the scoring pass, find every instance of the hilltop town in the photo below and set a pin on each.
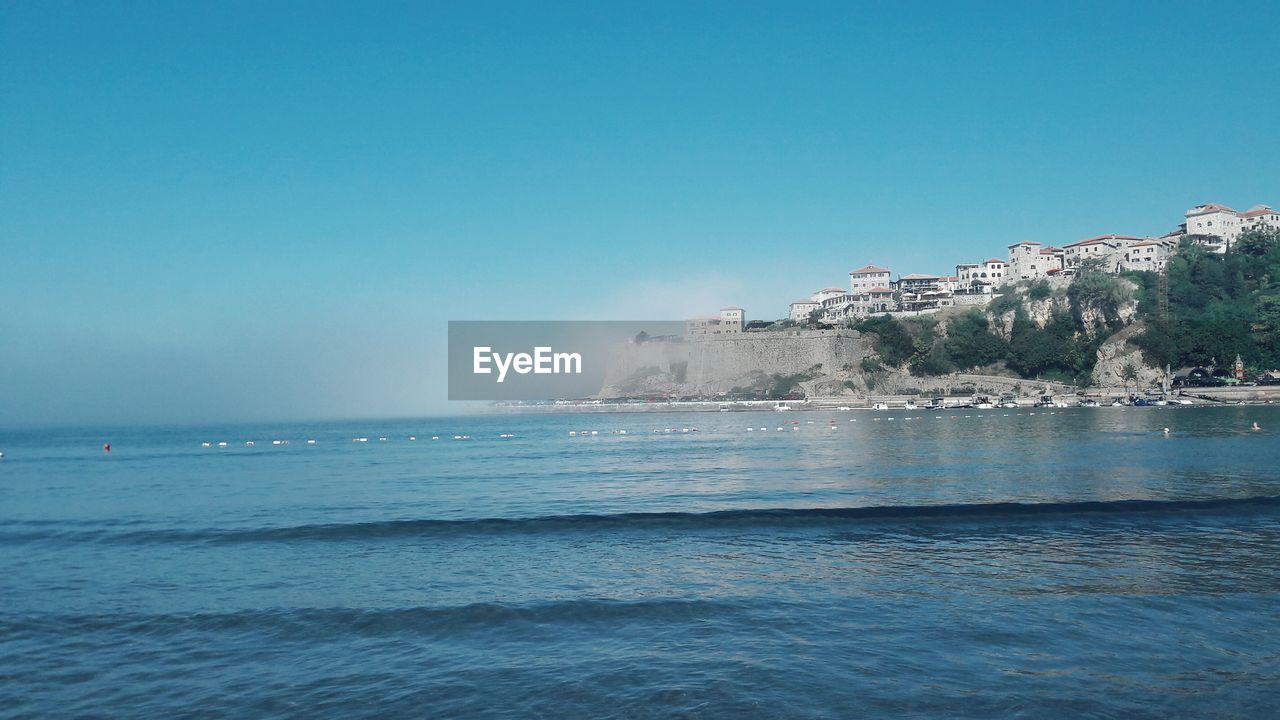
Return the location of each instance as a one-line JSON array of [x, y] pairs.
[[872, 291], [1112, 315]]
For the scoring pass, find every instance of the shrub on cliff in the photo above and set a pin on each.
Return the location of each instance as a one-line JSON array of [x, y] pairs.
[[970, 342]]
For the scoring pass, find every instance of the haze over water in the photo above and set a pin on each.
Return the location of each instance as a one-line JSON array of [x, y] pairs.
[[874, 568]]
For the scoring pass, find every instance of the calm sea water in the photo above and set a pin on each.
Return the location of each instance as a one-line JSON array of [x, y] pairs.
[[889, 566]]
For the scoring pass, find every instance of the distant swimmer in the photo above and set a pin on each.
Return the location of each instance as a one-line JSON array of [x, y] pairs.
[[1255, 427], [106, 447]]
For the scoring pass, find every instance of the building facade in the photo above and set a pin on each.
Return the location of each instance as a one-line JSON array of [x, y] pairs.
[[867, 278]]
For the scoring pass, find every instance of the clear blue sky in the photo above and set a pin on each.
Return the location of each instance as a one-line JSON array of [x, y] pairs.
[[269, 210]]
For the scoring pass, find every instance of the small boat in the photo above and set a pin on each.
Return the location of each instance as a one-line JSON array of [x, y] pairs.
[[724, 407], [880, 406], [911, 405], [1088, 403], [983, 403], [782, 407]]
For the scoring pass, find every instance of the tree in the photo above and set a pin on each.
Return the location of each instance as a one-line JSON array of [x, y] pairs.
[[970, 342]]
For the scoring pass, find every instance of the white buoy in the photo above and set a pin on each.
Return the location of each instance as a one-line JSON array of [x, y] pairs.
[[311, 442], [572, 434], [275, 442], [204, 444], [222, 444], [249, 443], [413, 437], [751, 429], [435, 437], [622, 432], [382, 439]]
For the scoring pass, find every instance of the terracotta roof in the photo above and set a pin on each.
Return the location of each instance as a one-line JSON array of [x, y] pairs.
[[879, 291], [868, 269], [950, 278], [1024, 242], [1258, 211], [918, 276], [1208, 208], [1104, 238], [1053, 271], [995, 260]]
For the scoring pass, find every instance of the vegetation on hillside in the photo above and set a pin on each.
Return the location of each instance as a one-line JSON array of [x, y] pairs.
[[1064, 349], [1219, 305]]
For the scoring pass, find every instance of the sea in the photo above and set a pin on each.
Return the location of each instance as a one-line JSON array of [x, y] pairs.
[[1040, 563]]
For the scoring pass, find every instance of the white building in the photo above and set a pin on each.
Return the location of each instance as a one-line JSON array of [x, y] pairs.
[[730, 320], [800, 309], [1221, 221], [1028, 260], [1259, 217], [982, 277], [1149, 254], [865, 279], [1110, 249], [826, 293], [1214, 219]]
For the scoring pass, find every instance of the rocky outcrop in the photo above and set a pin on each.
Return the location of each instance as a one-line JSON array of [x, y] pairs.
[[713, 364], [1120, 362]]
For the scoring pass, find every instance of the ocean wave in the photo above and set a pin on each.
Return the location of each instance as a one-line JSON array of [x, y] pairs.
[[304, 623], [993, 513]]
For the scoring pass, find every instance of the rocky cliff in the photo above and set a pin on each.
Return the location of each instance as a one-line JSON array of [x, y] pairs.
[[722, 363]]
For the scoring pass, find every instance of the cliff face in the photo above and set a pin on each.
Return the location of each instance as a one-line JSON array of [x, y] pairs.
[[719, 363], [1121, 363]]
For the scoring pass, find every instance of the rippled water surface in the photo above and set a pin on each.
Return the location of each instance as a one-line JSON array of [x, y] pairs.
[[969, 564]]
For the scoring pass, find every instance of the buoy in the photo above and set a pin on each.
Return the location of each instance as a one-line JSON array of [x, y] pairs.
[[311, 442], [249, 443], [572, 433], [413, 437], [204, 444], [222, 444], [435, 437], [106, 447]]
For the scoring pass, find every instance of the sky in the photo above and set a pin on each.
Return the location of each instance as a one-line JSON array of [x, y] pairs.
[[270, 210]]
